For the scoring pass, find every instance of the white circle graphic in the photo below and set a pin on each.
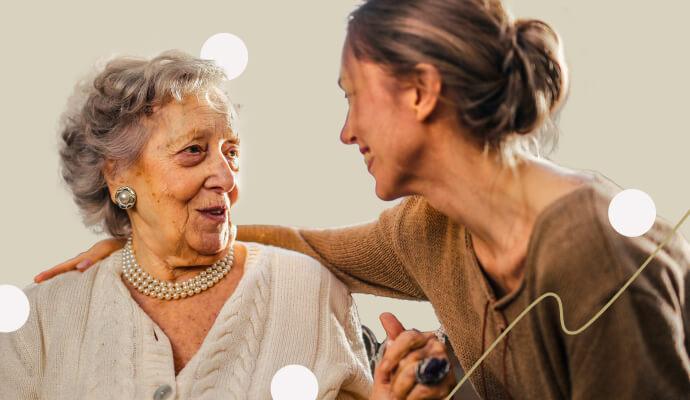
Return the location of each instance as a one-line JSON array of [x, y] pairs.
[[228, 51], [294, 382], [14, 308], [632, 212]]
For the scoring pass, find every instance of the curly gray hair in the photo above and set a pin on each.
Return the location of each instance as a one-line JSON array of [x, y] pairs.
[[104, 121]]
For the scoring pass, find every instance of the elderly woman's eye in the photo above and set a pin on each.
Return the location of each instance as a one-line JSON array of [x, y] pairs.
[[233, 156], [194, 149]]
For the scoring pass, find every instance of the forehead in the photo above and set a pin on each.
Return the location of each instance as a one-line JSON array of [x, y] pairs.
[[178, 120], [363, 74], [349, 68]]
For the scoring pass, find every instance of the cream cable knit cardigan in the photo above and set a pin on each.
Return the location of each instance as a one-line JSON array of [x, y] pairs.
[[86, 337]]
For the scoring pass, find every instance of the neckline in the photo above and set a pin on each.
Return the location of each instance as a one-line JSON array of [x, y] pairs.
[[253, 251], [540, 221]]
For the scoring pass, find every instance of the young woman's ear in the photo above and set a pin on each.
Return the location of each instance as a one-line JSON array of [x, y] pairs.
[[428, 90]]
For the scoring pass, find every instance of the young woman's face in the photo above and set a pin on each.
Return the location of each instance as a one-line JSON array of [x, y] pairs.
[[382, 123]]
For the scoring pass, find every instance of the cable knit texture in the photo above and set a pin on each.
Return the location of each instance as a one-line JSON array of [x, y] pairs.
[[86, 337], [637, 350]]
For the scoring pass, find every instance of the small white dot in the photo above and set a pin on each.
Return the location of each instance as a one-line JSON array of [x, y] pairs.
[[632, 212], [294, 382], [15, 308], [228, 51]]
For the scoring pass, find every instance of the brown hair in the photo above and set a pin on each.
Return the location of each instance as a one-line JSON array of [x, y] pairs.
[[502, 78]]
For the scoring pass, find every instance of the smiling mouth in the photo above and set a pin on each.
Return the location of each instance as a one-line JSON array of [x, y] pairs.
[[366, 154], [218, 213], [368, 160]]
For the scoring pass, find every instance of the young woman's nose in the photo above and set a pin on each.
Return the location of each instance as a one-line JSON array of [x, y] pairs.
[[346, 134]]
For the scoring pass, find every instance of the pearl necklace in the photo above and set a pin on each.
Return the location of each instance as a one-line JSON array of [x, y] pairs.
[[164, 290]]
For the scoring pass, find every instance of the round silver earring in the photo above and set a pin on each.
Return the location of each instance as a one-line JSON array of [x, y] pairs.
[[125, 197]]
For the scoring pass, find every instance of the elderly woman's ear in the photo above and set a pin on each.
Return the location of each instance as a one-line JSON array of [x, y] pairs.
[[103, 248], [112, 179], [122, 194]]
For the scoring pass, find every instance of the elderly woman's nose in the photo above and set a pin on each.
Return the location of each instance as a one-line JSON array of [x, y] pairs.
[[221, 175]]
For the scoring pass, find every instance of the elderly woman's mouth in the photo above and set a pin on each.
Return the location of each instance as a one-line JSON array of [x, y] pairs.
[[217, 214]]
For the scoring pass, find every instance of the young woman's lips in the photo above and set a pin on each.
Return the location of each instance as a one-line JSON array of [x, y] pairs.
[[215, 214], [368, 161]]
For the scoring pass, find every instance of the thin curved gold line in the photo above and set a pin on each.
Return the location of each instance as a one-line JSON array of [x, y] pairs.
[[560, 308]]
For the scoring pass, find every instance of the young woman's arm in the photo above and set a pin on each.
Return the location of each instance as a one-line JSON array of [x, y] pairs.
[[84, 260], [362, 256], [365, 257]]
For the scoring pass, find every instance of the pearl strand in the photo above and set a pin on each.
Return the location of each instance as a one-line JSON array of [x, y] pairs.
[[164, 290]]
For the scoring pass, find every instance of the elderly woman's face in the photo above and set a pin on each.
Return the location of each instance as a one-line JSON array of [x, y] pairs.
[[185, 180]]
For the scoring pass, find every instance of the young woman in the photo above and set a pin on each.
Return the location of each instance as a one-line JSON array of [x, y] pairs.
[[450, 102]]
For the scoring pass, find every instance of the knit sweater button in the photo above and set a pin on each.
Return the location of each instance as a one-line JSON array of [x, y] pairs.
[[162, 393]]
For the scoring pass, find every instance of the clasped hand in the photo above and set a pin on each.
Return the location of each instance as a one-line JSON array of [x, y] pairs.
[[395, 376]]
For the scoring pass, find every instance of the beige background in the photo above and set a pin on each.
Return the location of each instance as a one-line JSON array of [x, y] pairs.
[[626, 115]]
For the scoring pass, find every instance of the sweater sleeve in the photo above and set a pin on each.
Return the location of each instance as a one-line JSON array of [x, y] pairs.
[[20, 370], [358, 385], [634, 351], [366, 257]]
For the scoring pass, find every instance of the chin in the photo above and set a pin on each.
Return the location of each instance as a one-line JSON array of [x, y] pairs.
[[391, 187], [385, 192], [210, 243]]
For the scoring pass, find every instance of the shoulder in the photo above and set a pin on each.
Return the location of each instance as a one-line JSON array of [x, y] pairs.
[[575, 250], [297, 270], [53, 292], [301, 287], [421, 232], [56, 306], [73, 283], [414, 213], [66, 297]]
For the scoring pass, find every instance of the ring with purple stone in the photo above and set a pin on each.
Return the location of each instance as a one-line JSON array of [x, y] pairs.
[[432, 371]]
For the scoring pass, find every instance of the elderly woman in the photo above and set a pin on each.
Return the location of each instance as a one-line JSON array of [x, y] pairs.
[[183, 311]]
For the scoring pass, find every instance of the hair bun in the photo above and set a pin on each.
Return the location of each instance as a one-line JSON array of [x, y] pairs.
[[535, 75]]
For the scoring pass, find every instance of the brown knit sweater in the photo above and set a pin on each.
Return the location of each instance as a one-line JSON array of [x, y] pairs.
[[638, 349]]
